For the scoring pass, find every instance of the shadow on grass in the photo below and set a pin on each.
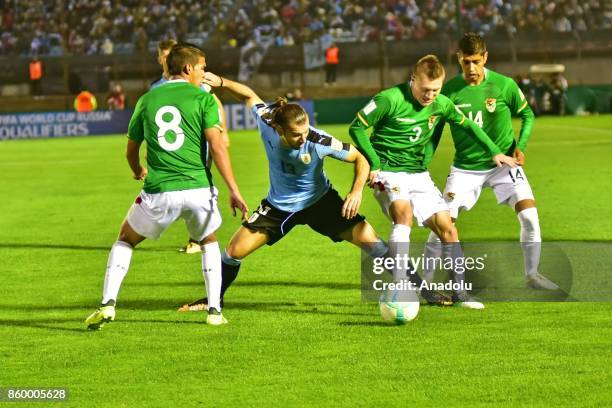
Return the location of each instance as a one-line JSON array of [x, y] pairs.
[[79, 247], [313, 285], [368, 324], [47, 324]]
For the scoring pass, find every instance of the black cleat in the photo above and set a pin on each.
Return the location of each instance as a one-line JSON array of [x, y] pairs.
[[435, 298]]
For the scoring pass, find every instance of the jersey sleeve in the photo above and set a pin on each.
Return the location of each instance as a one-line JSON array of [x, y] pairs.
[[136, 126], [211, 112], [432, 145], [519, 106], [258, 110], [375, 111], [327, 145], [453, 115]]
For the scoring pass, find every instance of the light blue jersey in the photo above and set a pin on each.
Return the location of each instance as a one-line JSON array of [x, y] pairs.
[[297, 179], [162, 80]]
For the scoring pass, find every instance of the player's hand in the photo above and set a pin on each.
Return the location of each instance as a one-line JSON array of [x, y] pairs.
[[237, 202], [519, 156], [352, 202], [372, 177], [141, 174], [501, 159], [213, 80]]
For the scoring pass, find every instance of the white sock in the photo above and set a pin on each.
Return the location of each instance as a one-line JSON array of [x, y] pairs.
[[211, 269], [116, 269], [399, 244], [433, 251], [531, 240]]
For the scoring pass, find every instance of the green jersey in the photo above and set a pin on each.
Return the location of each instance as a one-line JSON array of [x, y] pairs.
[[172, 118], [402, 129], [491, 105]]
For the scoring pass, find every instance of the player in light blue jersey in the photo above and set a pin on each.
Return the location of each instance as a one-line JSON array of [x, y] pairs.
[[300, 192], [163, 49]]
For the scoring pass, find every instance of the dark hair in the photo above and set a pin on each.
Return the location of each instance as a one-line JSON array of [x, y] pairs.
[[181, 55], [430, 66], [472, 44], [283, 114], [166, 44]]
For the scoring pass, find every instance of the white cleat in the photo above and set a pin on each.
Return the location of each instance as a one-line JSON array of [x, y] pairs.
[[100, 317], [466, 301], [215, 317], [538, 281]]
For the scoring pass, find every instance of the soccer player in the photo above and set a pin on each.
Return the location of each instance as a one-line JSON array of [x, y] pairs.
[[174, 119], [490, 99], [163, 49], [300, 192], [403, 119]]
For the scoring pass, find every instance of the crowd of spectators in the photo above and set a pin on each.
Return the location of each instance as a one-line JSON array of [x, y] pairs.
[[52, 27], [101, 26], [296, 21]]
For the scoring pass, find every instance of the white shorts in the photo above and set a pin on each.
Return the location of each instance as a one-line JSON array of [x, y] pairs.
[[417, 188], [463, 187], [151, 214]]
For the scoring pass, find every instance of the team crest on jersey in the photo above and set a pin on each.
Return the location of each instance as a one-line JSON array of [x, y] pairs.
[[491, 104], [432, 120], [450, 196], [395, 189], [305, 158]]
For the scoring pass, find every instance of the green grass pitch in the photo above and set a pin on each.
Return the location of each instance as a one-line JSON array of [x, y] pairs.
[[299, 334]]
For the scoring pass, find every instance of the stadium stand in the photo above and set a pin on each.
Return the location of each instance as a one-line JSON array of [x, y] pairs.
[[107, 27]]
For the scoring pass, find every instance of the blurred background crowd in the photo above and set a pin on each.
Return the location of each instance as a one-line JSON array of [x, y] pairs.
[[53, 27]]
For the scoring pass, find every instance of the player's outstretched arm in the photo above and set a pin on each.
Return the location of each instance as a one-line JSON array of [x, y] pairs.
[[352, 202], [221, 158], [527, 120], [454, 115], [223, 118], [132, 155], [497, 156], [241, 91], [433, 143]]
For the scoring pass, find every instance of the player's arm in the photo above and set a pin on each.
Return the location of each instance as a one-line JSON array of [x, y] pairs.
[[237, 89], [222, 161], [223, 119], [454, 115], [219, 154], [520, 107], [347, 153], [433, 143], [132, 155], [366, 118], [135, 139], [352, 201]]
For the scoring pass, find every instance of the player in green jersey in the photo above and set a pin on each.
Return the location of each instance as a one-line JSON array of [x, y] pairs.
[[179, 123], [403, 119], [490, 99], [163, 49]]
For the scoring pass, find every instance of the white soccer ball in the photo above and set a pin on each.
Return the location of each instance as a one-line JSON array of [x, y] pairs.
[[399, 307]]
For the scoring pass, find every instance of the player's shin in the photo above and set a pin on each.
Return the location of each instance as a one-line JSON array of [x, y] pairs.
[[211, 269], [399, 250], [452, 251], [530, 240], [433, 252], [116, 269], [229, 271]]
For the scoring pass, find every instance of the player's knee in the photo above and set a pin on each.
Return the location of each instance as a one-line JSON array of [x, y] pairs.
[[208, 239], [234, 251], [446, 231], [530, 225]]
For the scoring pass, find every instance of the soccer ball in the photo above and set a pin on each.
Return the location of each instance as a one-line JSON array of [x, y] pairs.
[[399, 312]]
